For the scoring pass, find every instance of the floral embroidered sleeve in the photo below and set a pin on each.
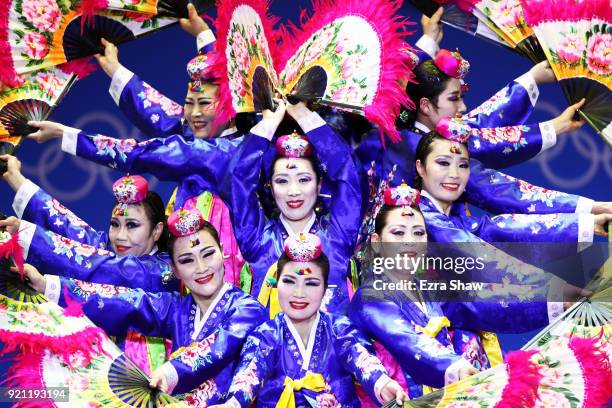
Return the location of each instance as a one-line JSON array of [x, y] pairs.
[[356, 353], [152, 113], [54, 254], [500, 193], [506, 146], [203, 360], [511, 105], [169, 159], [257, 359], [149, 313], [420, 355], [35, 205]]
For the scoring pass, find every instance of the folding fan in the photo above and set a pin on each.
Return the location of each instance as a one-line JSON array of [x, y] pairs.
[[31, 42], [178, 8], [144, 9], [577, 38], [461, 20], [105, 379], [506, 19], [347, 54]]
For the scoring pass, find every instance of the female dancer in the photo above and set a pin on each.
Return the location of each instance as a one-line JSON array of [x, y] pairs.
[[208, 326], [304, 356], [295, 183], [431, 340]]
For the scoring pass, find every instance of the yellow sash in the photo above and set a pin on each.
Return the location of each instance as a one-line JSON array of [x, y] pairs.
[[268, 295], [434, 325], [311, 381]]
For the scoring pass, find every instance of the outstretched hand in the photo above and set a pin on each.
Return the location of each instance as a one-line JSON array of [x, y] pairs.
[[195, 24], [109, 62]]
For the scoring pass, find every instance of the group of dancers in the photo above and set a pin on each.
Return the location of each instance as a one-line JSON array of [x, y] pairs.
[[245, 285]]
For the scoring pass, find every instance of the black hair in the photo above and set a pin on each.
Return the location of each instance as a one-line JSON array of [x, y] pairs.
[[205, 225], [423, 150], [322, 262], [155, 211], [383, 214], [429, 82]]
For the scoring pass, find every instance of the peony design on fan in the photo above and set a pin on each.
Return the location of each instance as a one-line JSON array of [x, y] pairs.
[[598, 55], [507, 14], [571, 48], [584, 50], [44, 15]]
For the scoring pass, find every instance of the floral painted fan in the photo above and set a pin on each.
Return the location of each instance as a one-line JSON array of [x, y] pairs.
[[174, 9], [461, 20], [33, 40], [104, 379], [506, 19], [577, 39], [347, 54]]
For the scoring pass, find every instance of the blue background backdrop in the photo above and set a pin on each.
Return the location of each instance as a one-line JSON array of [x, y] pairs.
[[580, 163]]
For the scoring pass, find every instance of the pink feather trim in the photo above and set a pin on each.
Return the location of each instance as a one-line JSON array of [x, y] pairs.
[[523, 381], [86, 341], [539, 11], [597, 371], [218, 59], [26, 373], [89, 8], [12, 248], [395, 64], [7, 69], [81, 67]]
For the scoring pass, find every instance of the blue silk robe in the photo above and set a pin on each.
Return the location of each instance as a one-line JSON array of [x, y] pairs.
[[261, 240], [336, 350], [206, 351], [394, 320]]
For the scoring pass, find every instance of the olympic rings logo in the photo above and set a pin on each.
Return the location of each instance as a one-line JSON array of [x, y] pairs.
[[582, 142]]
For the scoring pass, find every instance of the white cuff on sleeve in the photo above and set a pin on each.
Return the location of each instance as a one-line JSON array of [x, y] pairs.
[[586, 226], [69, 140], [584, 205], [171, 376], [23, 197], [120, 79], [264, 129], [451, 374], [53, 288], [311, 122], [555, 309], [429, 45], [549, 136], [26, 234], [528, 82], [205, 38], [379, 385]]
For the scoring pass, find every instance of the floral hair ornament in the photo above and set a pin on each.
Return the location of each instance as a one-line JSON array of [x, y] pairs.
[[293, 146], [185, 222], [303, 248], [198, 70], [452, 64], [403, 196], [129, 190], [455, 130]]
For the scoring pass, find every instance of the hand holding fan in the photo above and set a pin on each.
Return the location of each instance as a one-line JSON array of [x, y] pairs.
[[31, 40], [348, 54], [577, 38], [506, 19]]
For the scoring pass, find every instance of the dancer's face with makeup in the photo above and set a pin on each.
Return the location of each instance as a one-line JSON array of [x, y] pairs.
[[403, 233], [299, 294], [447, 104], [133, 234], [445, 174], [295, 187], [199, 110], [199, 266]]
